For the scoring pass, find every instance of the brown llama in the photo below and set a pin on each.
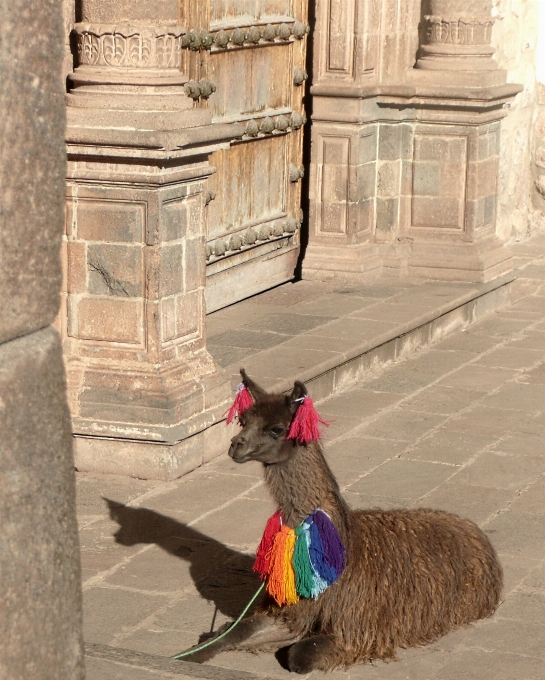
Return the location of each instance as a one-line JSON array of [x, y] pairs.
[[410, 576]]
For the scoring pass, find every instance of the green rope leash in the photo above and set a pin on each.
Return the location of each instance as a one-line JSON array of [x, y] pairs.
[[235, 623]]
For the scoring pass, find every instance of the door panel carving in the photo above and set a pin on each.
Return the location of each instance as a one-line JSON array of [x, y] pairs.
[[253, 52], [252, 80], [261, 198]]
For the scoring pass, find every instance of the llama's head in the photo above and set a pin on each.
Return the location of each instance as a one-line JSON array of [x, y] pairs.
[[265, 425]]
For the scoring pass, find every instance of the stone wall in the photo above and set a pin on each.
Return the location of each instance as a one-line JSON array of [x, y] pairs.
[[40, 614], [515, 39], [404, 174], [538, 165], [538, 168]]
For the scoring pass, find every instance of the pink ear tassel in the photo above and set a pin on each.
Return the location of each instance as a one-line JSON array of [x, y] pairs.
[[304, 426], [243, 401]]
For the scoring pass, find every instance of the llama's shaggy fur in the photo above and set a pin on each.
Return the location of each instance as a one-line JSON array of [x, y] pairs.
[[411, 575]]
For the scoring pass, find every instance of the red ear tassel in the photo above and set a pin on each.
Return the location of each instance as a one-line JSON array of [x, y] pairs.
[[243, 401], [304, 426]]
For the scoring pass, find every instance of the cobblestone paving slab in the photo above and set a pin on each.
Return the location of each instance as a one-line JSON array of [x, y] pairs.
[[459, 426], [109, 663]]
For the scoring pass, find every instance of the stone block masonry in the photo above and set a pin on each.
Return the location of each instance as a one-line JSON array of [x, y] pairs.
[[140, 379], [40, 612], [427, 120]]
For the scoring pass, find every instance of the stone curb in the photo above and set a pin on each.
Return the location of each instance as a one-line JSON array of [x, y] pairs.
[[184, 669], [470, 306]]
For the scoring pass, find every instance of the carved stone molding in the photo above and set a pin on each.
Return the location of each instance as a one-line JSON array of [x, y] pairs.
[[459, 30], [125, 67], [460, 44], [133, 47]]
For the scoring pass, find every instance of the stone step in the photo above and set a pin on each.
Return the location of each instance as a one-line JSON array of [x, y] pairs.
[[328, 335]]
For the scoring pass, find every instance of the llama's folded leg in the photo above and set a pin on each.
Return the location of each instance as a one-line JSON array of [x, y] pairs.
[[314, 653], [256, 633]]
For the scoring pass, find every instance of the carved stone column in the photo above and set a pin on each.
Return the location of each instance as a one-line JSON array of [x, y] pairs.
[[449, 207], [141, 382], [458, 40], [128, 73], [405, 157]]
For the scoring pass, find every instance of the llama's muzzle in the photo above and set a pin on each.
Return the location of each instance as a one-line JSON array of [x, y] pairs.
[[238, 450]]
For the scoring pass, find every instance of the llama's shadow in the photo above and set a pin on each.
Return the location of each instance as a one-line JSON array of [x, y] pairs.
[[221, 575]]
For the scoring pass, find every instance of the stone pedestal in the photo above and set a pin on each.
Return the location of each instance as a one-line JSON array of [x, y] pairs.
[[135, 340], [141, 381], [405, 163]]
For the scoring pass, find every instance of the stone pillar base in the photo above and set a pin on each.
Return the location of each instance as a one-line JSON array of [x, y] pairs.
[[455, 79], [473, 262], [150, 460], [160, 405], [341, 263], [140, 379]]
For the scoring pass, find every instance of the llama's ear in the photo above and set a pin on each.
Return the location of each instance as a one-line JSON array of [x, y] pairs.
[[252, 387], [297, 396]]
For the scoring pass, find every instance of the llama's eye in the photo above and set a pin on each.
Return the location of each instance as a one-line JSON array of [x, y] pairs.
[[276, 431]]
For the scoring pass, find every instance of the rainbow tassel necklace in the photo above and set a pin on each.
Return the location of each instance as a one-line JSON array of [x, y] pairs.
[[300, 562]]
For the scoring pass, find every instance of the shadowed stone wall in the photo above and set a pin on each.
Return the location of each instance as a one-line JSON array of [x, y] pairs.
[[40, 614]]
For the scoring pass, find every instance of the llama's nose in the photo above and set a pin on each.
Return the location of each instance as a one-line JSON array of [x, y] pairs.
[[237, 443]]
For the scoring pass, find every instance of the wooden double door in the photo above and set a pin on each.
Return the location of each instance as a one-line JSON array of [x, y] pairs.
[[253, 53]]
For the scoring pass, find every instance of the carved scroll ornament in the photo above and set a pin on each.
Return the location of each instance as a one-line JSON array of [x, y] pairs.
[[459, 30], [129, 46]]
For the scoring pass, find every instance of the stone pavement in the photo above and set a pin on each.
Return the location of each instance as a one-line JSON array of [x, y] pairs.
[[459, 425]]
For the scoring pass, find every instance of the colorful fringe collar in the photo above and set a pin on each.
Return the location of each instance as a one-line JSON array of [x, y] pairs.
[[300, 562]]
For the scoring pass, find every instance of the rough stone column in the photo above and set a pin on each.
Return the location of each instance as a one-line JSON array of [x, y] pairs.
[[40, 610], [141, 382]]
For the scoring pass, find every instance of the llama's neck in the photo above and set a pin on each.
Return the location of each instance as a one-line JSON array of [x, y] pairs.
[[304, 483]]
